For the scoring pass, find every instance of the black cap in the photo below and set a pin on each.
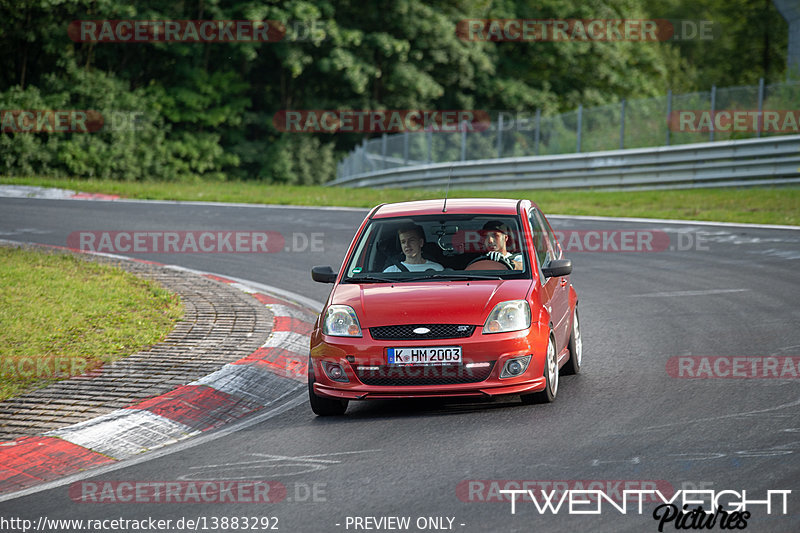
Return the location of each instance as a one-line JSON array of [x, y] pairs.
[[496, 225]]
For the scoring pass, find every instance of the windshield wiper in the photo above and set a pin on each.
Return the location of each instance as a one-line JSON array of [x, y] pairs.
[[457, 277], [449, 277], [371, 279]]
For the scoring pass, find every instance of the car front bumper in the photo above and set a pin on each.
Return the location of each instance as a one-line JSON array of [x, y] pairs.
[[496, 349]]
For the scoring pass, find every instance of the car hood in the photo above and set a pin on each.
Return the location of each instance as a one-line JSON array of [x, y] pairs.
[[457, 302]]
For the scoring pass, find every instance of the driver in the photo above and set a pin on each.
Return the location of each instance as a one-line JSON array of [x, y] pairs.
[[495, 238], [412, 238]]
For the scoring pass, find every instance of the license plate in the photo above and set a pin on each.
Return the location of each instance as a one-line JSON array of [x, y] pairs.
[[435, 355]]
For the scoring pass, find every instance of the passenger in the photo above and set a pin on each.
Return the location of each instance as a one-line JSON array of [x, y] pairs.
[[412, 238]]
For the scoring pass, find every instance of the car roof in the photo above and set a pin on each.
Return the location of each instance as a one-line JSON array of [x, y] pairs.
[[489, 206]]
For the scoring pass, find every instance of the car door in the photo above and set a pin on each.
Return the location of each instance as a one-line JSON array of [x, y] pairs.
[[555, 291]]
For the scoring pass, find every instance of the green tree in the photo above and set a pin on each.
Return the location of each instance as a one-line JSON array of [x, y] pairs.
[[209, 107]]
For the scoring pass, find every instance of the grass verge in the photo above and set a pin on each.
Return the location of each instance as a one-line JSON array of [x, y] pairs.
[[778, 205], [62, 316]]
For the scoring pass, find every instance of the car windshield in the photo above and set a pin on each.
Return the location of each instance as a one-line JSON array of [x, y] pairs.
[[439, 247]]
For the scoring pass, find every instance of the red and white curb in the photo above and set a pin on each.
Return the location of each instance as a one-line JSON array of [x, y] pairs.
[[261, 380]]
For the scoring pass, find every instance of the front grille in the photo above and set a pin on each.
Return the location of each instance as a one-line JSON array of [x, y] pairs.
[[406, 332], [422, 375]]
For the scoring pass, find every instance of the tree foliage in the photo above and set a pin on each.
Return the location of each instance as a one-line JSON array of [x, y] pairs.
[[206, 109]]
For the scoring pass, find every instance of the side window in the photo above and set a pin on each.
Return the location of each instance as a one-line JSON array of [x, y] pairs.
[[544, 240], [364, 255], [555, 250], [539, 239]]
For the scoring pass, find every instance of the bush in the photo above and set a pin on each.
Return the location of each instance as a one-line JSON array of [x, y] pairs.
[[134, 144]]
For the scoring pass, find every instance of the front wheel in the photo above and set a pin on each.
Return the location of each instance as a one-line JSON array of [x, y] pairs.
[[575, 347], [323, 406], [550, 391]]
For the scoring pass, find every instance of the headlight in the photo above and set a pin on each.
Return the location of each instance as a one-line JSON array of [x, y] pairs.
[[341, 321], [512, 315]]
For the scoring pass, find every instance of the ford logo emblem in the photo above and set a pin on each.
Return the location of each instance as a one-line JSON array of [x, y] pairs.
[[421, 331]]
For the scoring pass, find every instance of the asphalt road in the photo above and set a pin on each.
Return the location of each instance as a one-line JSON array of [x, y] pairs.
[[720, 291]]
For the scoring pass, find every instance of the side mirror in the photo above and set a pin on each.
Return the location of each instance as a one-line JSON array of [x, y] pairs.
[[557, 268], [323, 274]]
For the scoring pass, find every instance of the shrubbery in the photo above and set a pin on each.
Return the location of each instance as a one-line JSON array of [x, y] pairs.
[[206, 109]]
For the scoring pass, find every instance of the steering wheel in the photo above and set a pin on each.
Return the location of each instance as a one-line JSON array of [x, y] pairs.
[[487, 264]]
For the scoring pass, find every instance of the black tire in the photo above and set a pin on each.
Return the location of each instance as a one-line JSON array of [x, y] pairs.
[[575, 347], [548, 395], [323, 406]]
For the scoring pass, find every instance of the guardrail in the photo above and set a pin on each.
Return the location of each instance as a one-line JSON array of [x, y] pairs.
[[765, 161]]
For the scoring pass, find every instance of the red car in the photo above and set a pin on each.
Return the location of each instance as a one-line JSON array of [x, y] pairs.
[[446, 298]]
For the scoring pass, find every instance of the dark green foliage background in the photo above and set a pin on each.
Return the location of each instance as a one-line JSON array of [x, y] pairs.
[[208, 108]]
